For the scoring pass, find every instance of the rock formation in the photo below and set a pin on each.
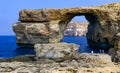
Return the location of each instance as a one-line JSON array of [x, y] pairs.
[[57, 51], [81, 63], [47, 25]]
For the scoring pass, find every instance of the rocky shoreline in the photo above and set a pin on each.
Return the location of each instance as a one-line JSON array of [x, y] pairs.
[[44, 28], [59, 58], [84, 63]]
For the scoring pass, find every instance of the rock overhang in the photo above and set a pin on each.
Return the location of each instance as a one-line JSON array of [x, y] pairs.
[[54, 14]]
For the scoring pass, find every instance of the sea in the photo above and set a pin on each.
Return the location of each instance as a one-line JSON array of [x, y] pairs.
[[9, 48]]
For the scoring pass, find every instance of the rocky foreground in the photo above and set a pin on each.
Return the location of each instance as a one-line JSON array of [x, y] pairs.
[[84, 63], [59, 58]]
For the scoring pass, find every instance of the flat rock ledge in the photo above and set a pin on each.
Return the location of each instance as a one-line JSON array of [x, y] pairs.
[[81, 63]]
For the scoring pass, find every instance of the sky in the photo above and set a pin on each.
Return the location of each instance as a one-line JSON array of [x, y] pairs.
[[9, 9]]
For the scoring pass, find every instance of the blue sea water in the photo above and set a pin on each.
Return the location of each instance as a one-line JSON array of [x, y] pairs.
[[82, 41], [9, 48]]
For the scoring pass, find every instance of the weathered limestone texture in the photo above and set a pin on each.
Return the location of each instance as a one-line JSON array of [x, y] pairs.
[[57, 51], [47, 26], [31, 33], [81, 63]]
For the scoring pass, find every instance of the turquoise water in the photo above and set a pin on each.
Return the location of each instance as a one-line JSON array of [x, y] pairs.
[[9, 48]]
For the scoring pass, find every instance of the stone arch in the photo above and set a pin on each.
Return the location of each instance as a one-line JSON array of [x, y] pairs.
[[52, 22], [47, 25], [94, 27], [91, 18]]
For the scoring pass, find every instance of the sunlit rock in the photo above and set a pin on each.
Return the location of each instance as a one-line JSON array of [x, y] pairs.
[[76, 29], [103, 21], [56, 51], [80, 63], [28, 34]]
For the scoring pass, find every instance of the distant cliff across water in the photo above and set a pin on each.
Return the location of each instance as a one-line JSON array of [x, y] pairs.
[[76, 29]]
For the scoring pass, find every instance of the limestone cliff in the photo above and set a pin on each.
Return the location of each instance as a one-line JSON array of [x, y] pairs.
[[76, 29]]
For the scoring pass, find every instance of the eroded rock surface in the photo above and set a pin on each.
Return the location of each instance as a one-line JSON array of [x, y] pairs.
[[31, 33], [57, 51], [82, 63]]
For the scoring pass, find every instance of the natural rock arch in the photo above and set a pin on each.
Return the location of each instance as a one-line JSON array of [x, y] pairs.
[[47, 25], [94, 28]]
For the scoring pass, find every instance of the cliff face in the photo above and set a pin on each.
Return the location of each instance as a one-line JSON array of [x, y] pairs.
[[48, 25], [76, 29], [104, 27]]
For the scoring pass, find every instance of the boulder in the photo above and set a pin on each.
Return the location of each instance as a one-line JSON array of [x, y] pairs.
[[56, 51]]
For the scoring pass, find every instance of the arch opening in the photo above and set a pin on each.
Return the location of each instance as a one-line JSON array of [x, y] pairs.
[[77, 26], [82, 29]]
